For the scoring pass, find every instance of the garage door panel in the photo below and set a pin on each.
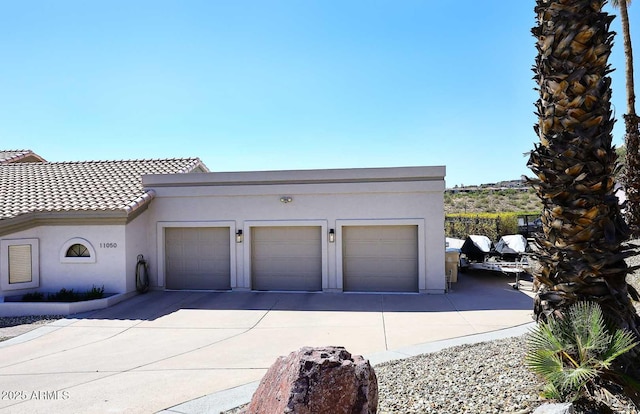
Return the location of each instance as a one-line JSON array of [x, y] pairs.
[[197, 258], [400, 248], [278, 281], [380, 258], [387, 284], [381, 267], [286, 258], [285, 250]]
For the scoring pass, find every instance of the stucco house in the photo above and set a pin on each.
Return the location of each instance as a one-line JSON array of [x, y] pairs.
[[83, 224], [73, 225]]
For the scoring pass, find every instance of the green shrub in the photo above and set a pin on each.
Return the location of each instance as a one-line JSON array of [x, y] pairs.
[[570, 354], [64, 295], [492, 225], [95, 293], [33, 297]]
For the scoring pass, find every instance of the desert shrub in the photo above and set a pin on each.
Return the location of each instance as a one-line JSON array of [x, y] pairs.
[[70, 295], [33, 297], [95, 293], [571, 353], [492, 225], [64, 295]]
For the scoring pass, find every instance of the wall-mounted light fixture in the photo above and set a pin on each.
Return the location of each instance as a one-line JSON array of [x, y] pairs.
[[239, 236], [332, 235], [286, 199]]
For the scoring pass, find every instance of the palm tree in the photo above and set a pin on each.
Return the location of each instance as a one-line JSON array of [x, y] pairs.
[[631, 120], [580, 248]]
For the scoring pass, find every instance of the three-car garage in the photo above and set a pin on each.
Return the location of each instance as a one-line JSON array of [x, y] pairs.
[[375, 258], [359, 230]]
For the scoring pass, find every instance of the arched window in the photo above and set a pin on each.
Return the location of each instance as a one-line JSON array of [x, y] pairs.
[[77, 250]]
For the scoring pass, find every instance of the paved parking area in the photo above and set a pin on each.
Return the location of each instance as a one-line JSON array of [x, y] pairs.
[[161, 349]]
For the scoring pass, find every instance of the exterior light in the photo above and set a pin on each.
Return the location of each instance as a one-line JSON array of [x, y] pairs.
[[239, 236], [286, 199], [332, 235]]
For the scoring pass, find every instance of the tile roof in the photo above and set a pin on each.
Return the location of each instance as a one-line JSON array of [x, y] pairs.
[[89, 186], [9, 156]]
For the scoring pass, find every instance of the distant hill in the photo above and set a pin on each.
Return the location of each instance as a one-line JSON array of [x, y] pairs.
[[492, 198], [501, 185]]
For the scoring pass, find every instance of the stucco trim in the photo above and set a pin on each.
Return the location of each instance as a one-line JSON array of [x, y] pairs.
[[77, 240], [331, 176], [4, 264], [67, 218]]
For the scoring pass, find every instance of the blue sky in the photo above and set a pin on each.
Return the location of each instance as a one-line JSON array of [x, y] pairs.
[[286, 84]]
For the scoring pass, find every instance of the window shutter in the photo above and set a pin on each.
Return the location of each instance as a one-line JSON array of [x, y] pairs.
[[20, 263]]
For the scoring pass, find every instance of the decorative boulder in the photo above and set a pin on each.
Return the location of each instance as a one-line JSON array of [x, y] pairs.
[[325, 380]]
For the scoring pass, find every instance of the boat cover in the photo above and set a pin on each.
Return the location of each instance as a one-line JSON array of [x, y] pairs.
[[453, 244], [512, 244], [476, 247]]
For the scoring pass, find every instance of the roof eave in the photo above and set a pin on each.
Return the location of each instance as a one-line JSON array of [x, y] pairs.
[[65, 218], [327, 176]]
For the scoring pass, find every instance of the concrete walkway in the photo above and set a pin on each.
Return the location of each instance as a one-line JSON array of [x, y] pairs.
[[190, 352]]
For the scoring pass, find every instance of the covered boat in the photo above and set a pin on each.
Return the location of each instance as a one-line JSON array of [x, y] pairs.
[[511, 246], [453, 244], [476, 247]]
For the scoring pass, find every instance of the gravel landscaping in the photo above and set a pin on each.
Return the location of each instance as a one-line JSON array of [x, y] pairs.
[[17, 325]]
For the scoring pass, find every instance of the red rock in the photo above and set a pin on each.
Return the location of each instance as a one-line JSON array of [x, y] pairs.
[[326, 380]]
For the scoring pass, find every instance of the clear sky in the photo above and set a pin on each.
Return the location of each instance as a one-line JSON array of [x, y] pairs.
[[278, 84]]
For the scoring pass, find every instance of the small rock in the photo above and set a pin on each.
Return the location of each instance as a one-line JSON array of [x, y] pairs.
[[564, 408], [326, 380]]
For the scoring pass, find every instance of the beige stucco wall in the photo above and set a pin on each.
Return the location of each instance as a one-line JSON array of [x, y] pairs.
[[329, 198], [138, 241], [108, 270]]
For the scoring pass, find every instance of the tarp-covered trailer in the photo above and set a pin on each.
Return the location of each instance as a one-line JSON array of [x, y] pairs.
[[511, 247], [453, 243], [476, 247], [507, 257]]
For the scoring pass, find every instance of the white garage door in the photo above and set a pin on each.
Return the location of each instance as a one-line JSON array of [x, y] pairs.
[[380, 258], [197, 258], [286, 258]]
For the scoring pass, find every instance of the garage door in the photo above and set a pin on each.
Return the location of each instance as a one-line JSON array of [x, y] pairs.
[[380, 258], [286, 258], [197, 258]]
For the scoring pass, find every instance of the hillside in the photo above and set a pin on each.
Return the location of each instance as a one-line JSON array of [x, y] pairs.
[[492, 201]]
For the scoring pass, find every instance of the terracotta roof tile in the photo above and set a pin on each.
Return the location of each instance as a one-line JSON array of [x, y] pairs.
[[81, 186], [9, 156]]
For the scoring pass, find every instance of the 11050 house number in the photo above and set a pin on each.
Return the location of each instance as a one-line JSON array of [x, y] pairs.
[[111, 245]]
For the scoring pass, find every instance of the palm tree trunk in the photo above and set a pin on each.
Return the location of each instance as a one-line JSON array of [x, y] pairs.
[[632, 132], [628, 55], [580, 248], [631, 176]]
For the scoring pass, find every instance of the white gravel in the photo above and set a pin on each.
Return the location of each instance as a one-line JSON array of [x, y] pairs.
[[12, 326], [488, 377]]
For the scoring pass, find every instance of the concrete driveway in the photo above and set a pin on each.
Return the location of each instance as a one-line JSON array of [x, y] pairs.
[[161, 349]]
